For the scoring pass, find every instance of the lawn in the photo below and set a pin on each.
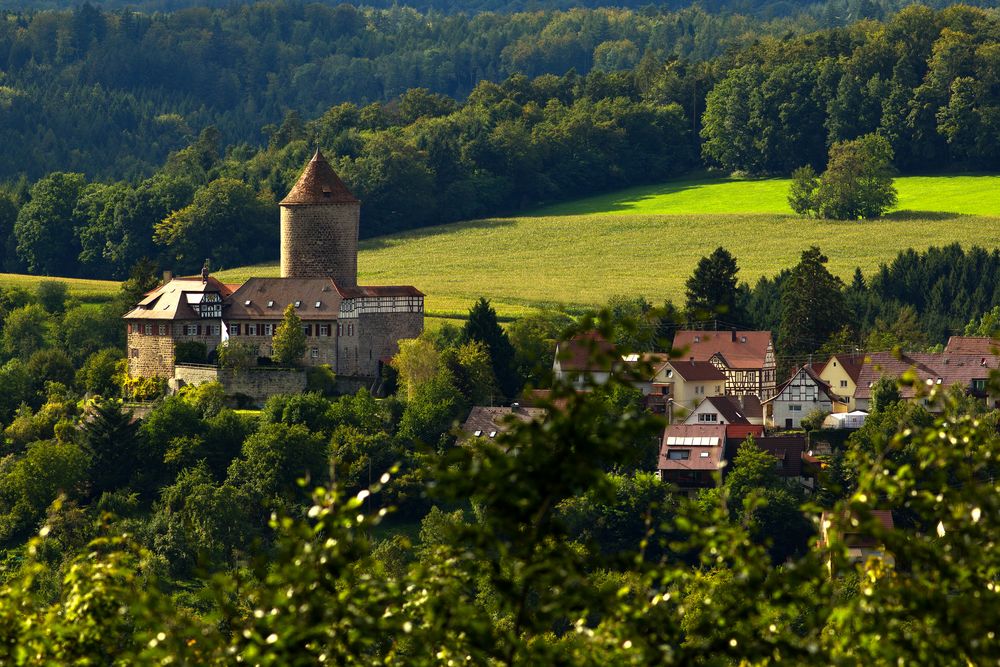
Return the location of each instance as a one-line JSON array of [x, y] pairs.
[[970, 194]]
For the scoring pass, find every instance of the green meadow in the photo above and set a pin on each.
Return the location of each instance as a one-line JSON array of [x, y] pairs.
[[647, 241], [643, 240], [84, 289]]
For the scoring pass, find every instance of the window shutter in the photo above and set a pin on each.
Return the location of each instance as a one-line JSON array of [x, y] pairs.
[[199, 329], [329, 331], [309, 330], [236, 330]]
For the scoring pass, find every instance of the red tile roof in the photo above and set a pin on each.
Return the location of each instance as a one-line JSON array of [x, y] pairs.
[[741, 349], [319, 184], [705, 444], [378, 290], [982, 345], [851, 363], [741, 431], [586, 352], [486, 420], [950, 369]]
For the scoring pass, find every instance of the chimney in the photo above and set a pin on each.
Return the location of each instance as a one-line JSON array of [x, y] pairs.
[[734, 335], [167, 276]]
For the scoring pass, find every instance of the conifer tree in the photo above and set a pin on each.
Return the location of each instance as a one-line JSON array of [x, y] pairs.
[[289, 342], [483, 327], [812, 305], [108, 436], [711, 289]]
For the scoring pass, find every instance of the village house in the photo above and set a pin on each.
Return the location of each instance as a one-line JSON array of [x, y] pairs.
[[861, 544], [585, 359], [691, 455], [683, 384], [940, 371], [841, 372], [799, 396], [353, 329], [489, 422], [746, 357], [727, 410]]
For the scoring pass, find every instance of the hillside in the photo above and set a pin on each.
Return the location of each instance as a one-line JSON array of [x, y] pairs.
[[648, 240]]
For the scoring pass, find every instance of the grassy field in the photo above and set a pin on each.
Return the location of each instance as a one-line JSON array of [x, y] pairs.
[[80, 288], [644, 241], [970, 194]]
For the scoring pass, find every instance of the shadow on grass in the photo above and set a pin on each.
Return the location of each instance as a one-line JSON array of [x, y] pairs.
[[624, 200], [906, 214], [384, 241]]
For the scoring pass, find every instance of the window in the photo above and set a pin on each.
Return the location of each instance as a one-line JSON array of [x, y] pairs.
[[350, 329], [134, 352], [979, 385], [708, 417], [162, 330], [699, 390], [251, 329], [795, 408], [307, 329], [843, 383], [268, 329], [147, 329], [314, 353], [697, 339], [679, 454], [665, 391], [324, 330], [130, 327], [236, 330], [190, 329]]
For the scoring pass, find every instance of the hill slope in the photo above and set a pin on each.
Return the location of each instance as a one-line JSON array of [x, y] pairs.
[[648, 240]]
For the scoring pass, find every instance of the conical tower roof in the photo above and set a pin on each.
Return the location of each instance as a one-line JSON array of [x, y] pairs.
[[319, 184]]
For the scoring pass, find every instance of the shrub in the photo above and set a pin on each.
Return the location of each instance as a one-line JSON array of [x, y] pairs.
[[190, 352]]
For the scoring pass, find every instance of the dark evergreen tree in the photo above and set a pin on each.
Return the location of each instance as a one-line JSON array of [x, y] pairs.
[[712, 288], [483, 326], [812, 306], [108, 436]]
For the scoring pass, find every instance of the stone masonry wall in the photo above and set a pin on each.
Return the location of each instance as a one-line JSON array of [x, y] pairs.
[[320, 240], [380, 336], [323, 347], [256, 383], [153, 354]]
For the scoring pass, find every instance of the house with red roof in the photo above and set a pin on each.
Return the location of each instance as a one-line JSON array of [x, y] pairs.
[[684, 384], [691, 455], [729, 410], [939, 371], [746, 358]]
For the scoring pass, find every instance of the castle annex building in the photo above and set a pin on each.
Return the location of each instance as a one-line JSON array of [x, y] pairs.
[[352, 328]]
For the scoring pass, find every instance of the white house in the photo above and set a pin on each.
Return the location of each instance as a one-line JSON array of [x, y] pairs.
[[803, 393]]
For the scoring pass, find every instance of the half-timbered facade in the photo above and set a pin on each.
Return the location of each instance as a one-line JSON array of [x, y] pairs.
[[803, 393], [746, 358]]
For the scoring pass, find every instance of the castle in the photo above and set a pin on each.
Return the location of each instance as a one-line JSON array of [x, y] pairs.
[[354, 329]]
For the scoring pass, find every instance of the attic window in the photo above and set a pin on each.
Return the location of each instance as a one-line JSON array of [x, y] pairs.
[[270, 304], [298, 303], [493, 434], [697, 339], [326, 192], [477, 433], [704, 455], [247, 302], [318, 304]]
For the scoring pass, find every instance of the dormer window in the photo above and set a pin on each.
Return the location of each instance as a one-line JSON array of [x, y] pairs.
[[327, 192], [270, 304]]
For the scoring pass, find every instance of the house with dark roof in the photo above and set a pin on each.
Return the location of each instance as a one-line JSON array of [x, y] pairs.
[[861, 544], [353, 329], [682, 385], [801, 394], [490, 422], [727, 410], [940, 371], [746, 357], [841, 372]]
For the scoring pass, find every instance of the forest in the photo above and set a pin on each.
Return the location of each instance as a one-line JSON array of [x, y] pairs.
[[922, 79]]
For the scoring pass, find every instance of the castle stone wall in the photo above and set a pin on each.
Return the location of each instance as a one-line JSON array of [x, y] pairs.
[[319, 349], [320, 240], [150, 355], [380, 336], [258, 384]]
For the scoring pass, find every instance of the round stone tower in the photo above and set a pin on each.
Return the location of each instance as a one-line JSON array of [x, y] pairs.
[[319, 227]]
